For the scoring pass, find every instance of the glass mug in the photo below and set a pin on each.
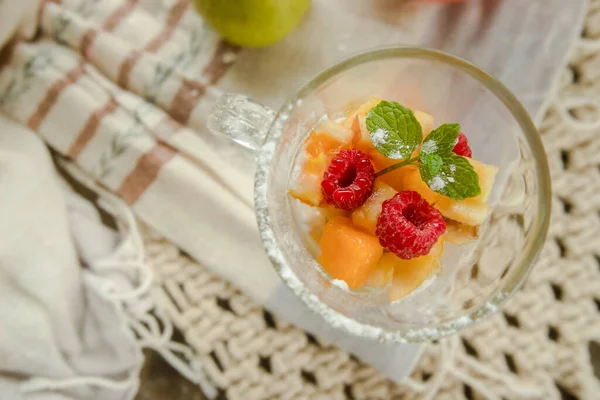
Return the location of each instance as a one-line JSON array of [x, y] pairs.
[[475, 279]]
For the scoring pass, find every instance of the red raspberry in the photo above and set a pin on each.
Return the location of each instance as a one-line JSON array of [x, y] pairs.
[[462, 146], [348, 181], [408, 226]]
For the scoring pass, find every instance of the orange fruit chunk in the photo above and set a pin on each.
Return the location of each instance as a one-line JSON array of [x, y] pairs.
[[348, 253], [396, 178], [365, 217], [316, 165], [410, 274], [413, 181]]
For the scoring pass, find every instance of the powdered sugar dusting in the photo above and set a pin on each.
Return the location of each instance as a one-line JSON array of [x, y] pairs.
[[398, 153], [436, 183], [429, 146], [395, 155], [379, 137]]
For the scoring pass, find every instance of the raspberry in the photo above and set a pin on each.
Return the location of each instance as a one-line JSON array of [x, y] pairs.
[[348, 181], [461, 147], [408, 226]]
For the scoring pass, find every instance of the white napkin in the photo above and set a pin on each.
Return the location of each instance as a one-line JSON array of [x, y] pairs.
[[61, 336]]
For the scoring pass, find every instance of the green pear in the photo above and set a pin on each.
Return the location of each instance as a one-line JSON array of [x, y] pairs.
[[252, 23]]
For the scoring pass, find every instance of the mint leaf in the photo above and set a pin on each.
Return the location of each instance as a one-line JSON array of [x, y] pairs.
[[433, 162], [442, 170], [441, 140], [456, 177], [394, 130]]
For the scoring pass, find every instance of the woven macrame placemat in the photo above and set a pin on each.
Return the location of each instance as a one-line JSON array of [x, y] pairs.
[[541, 346]]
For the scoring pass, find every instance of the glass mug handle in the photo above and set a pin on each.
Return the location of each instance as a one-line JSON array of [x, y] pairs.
[[241, 119]]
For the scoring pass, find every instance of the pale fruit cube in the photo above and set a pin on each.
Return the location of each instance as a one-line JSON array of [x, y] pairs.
[[426, 122], [487, 176], [410, 274], [348, 253], [365, 217], [468, 211], [337, 131], [361, 137], [472, 211], [329, 138], [362, 110], [382, 274], [458, 234], [307, 187]]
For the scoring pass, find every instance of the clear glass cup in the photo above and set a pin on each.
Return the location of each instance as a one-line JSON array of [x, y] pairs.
[[475, 279]]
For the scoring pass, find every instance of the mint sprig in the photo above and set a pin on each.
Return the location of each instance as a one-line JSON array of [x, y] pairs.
[[394, 130], [396, 133], [443, 171]]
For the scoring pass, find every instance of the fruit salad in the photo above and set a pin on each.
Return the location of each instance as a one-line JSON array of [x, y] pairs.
[[390, 190]]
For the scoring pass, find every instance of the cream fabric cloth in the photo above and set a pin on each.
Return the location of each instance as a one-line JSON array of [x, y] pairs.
[[113, 83], [18, 18], [78, 297], [62, 335]]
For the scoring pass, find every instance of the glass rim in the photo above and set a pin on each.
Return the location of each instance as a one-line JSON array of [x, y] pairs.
[[532, 247]]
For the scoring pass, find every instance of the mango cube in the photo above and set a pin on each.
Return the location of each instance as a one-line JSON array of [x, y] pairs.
[[413, 181], [348, 253]]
